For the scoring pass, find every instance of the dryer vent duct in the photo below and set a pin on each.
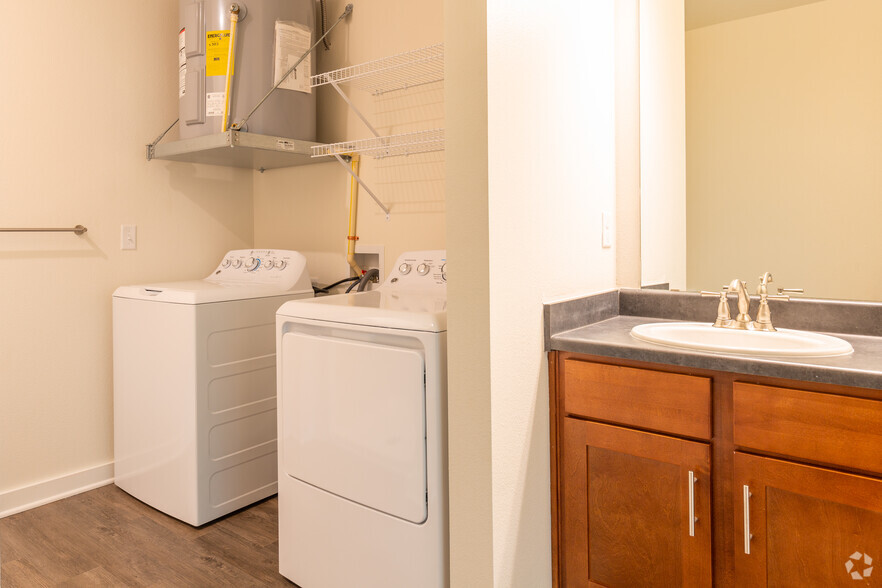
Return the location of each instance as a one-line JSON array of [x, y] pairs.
[[270, 36]]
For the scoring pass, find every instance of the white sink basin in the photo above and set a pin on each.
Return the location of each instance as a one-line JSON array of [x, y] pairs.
[[706, 337]]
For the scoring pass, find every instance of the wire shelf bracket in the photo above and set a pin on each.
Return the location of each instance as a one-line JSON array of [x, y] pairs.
[[398, 72], [348, 167], [388, 146]]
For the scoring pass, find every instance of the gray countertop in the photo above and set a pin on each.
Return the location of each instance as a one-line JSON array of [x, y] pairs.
[[601, 325]]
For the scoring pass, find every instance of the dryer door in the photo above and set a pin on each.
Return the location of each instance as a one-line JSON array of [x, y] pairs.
[[354, 421]]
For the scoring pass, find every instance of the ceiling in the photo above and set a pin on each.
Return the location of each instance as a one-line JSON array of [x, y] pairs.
[[701, 13]]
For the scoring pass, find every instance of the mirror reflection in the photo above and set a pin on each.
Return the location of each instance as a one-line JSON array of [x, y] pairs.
[[784, 146]]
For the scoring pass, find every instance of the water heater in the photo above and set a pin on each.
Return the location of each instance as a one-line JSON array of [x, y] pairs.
[[269, 37]]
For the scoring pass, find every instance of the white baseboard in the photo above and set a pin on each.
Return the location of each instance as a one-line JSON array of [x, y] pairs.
[[34, 495]]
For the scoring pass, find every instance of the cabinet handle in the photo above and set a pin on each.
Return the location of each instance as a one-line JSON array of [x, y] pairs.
[[747, 535], [692, 518]]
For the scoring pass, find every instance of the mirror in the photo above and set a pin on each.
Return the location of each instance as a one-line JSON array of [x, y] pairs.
[[784, 146]]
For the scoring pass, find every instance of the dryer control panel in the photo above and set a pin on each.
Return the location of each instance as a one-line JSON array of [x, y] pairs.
[[419, 270], [276, 267]]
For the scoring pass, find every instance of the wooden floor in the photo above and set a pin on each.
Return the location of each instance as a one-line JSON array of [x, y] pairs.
[[107, 538]]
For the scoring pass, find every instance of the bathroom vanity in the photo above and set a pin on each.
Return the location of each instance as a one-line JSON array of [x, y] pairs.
[[675, 467]]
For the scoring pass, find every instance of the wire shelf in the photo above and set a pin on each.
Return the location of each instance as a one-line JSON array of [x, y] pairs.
[[389, 146], [398, 72]]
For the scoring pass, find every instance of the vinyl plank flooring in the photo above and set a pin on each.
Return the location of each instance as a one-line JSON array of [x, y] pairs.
[[55, 554], [94, 577], [259, 523], [21, 574], [247, 555], [107, 538]]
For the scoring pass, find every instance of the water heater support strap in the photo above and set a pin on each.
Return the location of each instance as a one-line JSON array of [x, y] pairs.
[[151, 148]]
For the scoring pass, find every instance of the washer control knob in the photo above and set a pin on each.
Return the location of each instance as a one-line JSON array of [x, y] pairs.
[[252, 263], [237, 263], [423, 268], [281, 264], [404, 269], [268, 264], [444, 271], [226, 263]]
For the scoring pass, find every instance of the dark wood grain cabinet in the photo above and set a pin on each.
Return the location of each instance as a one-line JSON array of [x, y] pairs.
[[675, 477], [635, 493], [805, 526]]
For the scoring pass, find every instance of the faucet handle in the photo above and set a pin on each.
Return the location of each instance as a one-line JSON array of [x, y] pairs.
[[763, 320], [784, 293], [723, 316], [762, 288]]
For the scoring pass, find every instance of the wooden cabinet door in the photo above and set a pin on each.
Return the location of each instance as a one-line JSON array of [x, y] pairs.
[[626, 499], [805, 526]]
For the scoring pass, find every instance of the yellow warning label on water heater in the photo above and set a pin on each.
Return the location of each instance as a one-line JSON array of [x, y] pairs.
[[217, 50]]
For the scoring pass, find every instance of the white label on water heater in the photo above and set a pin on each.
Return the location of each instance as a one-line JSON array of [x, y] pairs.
[[182, 47], [182, 63], [292, 41], [214, 103]]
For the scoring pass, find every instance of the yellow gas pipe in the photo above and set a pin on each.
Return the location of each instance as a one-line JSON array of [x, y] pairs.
[[234, 19], [351, 237]]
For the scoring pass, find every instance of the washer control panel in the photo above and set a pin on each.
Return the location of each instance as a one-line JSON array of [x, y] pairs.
[[419, 269], [260, 266]]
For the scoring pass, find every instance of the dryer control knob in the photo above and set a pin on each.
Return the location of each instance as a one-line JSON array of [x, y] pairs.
[[226, 263], [281, 264], [404, 269], [444, 271], [237, 263], [423, 268], [268, 263], [252, 263]]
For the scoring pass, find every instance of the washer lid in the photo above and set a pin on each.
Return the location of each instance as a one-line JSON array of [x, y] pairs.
[[241, 274], [202, 292], [414, 311]]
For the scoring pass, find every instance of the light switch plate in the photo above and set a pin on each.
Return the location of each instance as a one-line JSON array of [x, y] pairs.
[[606, 230], [128, 237]]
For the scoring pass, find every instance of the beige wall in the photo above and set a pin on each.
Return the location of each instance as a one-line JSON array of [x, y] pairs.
[[84, 89], [627, 235], [783, 135], [534, 237], [468, 295], [306, 208], [662, 144]]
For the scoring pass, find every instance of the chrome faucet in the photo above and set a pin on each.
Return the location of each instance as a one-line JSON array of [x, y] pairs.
[[742, 320]]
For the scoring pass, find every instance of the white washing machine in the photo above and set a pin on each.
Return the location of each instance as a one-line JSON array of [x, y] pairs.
[[194, 385], [362, 382]]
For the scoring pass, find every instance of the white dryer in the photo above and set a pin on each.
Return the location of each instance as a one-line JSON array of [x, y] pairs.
[[194, 385], [362, 381]]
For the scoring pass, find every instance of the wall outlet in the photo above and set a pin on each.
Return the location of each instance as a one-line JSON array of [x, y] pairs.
[[128, 237]]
